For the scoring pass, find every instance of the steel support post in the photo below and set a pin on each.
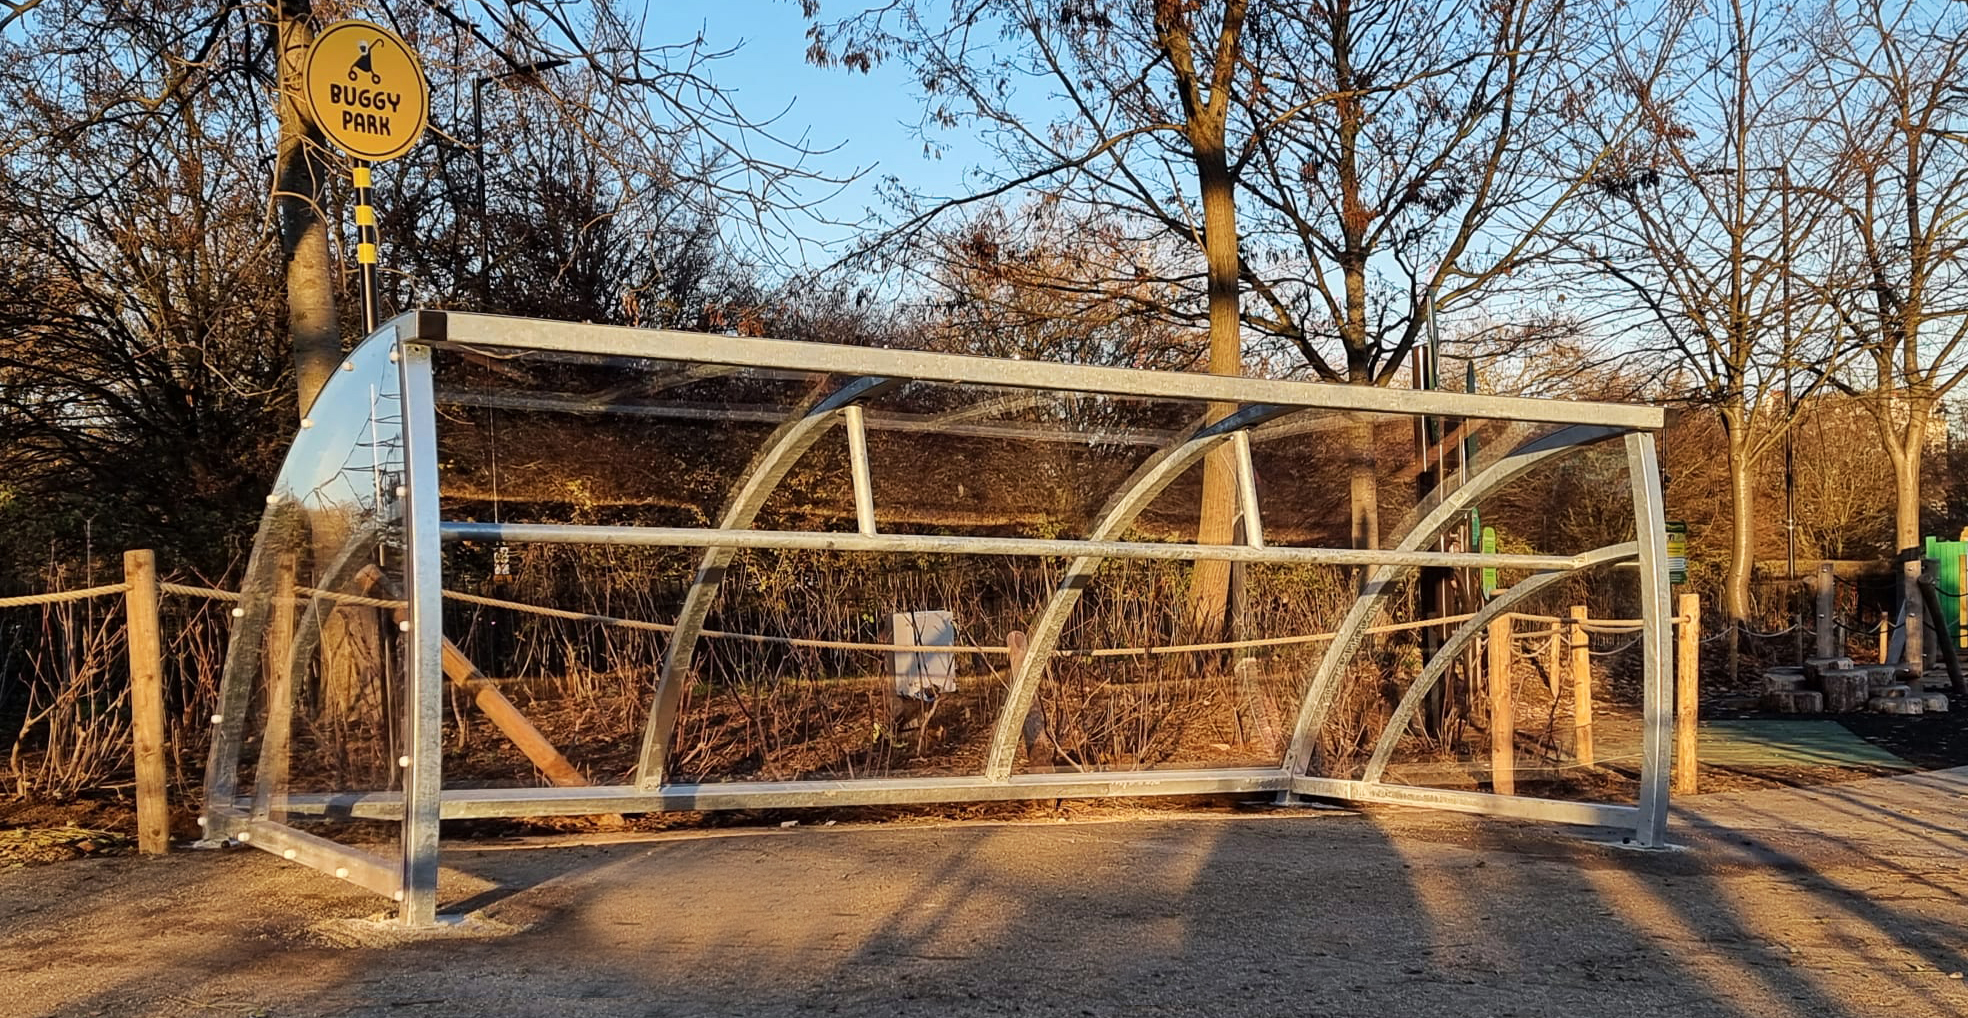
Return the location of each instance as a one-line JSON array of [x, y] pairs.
[[423, 582], [1656, 676], [1240, 443], [856, 424]]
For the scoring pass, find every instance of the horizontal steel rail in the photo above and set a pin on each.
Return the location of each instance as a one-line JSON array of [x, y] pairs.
[[916, 365], [1521, 807], [805, 540], [487, 803], [507, 803], [969, 422], [911, 424]]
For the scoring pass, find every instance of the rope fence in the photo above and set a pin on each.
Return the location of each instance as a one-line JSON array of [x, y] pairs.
[[1551, 637], [1596, 626], [188, 591], [60, 596], [1616, 650]]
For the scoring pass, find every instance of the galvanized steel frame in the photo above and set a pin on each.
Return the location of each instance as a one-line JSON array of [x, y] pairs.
[[1256, 401]]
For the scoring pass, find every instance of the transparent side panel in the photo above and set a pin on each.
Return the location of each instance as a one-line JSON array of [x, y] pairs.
[[1442, 707], [797, 675], [318, 613], [816, 664]]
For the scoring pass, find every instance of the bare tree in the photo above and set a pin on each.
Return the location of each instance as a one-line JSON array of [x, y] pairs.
[[1151, 131], [653, 109], [1360, 164], [1703, 224], [1888, 73], [1427, 182], [147, 165], [136, 385], [301, 177], [1001, 283]]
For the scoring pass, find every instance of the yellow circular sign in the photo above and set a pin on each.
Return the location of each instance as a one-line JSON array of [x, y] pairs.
[[366, 89]]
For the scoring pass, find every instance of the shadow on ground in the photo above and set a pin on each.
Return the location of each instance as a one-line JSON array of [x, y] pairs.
[[1833, 901]]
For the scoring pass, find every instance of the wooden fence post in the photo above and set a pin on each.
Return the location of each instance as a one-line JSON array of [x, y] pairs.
[[146, 653], [1827, 591], [1033, 733], [1687, 693], [1503, 711], [270, 776], [1581, 688]]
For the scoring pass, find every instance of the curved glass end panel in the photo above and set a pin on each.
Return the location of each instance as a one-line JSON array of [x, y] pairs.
[[312, 691]]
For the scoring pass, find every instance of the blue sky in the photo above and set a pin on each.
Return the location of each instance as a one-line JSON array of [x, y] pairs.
[[871, 117]]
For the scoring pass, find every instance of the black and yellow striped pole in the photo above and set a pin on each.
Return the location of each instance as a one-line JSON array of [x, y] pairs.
[[365, 245], [368, 95]]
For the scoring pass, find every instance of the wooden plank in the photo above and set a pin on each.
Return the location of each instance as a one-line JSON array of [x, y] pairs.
[[1687, 694], [500, 711], [509, 720], [1581, 641], [1503, 711], [1033, 733], [1826, 588], [146, 653]]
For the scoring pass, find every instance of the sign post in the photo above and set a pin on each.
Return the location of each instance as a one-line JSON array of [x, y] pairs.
[[367, 92], [1677, 551]]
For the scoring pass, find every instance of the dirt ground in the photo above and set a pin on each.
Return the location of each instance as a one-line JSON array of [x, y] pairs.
[[1839, 900]]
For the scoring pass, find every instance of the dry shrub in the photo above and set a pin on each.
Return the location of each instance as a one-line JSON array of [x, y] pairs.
[[74, 732]]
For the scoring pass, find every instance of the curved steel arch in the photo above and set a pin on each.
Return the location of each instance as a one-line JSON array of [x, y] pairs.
[[778, 457], [1656, 677], [1397, 723], [1325, 682], [1148, 481]]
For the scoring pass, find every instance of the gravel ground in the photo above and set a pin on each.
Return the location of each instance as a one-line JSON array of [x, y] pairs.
[[1846, 900]]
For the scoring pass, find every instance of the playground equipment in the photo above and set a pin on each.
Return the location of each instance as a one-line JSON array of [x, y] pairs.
[[1950, 560], [334, 694]]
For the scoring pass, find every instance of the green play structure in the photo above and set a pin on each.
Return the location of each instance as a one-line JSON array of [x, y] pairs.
[[1950, 563]]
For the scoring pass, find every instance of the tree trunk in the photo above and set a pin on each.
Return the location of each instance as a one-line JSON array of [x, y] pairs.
[[301, 179], [1209, 590], [1742, 538], [1356, 216], [1906, 534], [1363, 482]]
